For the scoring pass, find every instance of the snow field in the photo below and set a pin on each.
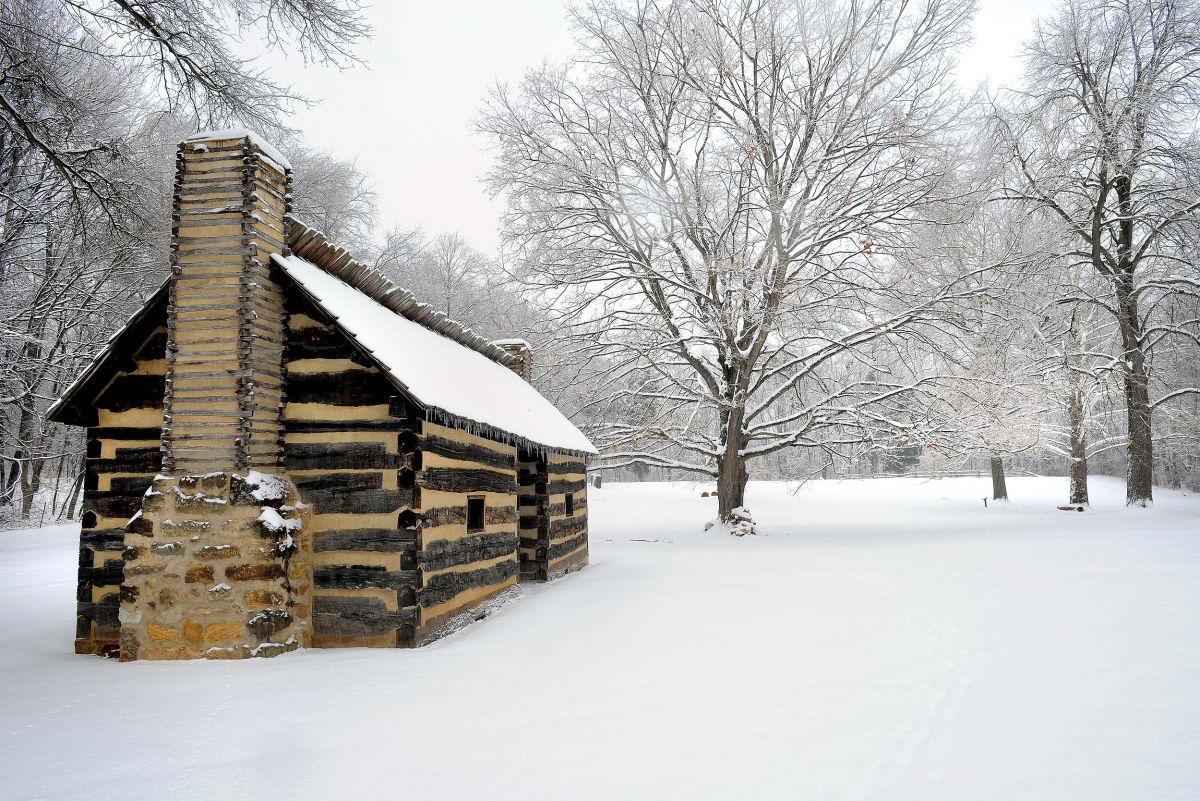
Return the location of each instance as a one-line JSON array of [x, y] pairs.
[[887, 639]]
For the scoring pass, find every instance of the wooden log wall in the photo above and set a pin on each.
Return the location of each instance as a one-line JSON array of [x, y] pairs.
[[568, 534], [533, 507], [459, 568], [351, 447], [123, 456], [226, 313]]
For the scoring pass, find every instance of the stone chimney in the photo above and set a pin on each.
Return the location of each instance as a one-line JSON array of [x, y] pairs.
[[217, 560], [519, 348]]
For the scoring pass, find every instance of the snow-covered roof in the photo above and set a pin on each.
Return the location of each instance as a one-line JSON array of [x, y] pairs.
[[443, 375], [268, 150], [312, 246]]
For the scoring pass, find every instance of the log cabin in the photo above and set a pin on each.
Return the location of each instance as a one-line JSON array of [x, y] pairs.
[[287, 450]]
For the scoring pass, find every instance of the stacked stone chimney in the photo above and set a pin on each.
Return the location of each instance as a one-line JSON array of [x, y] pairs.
[[217, 561], [223, 401], [522, 363]]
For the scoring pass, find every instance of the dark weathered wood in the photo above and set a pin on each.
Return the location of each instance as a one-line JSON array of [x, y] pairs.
[[532, 521], [129, 460], [566, 546], [358, 577], [113, 504], [560, 509], [463, 479], [357, 617], [339, 456], [329, 426], [103, 612], [384, 540], [469, 452], [445, 515], [529, 480], [155, 347], [112, 572], [567, 525], [126, 433], [322, 343], [131, 485], [133, 392], [559, 487], [359, 501], [441, 588], [346, 388], [103, 539], [493, 515], [339, 481], [441, 554], [565, 468]]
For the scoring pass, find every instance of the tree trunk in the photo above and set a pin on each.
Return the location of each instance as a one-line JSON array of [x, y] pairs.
[[999, 488], [68, 509], [731, 485], [1139, 488], [731, 468], [1079, 467], [1139, 485]]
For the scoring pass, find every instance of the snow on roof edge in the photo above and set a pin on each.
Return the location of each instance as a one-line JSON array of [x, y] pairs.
[[312, 246]]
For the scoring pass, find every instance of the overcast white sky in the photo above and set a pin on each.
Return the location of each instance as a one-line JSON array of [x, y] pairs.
[[407, 116]]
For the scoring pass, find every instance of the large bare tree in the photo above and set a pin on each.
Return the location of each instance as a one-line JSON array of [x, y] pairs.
[[718, 194]]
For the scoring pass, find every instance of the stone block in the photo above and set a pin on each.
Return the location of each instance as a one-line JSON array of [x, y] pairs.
[[186, 528], [192, 631], [215, 485], [199, 574], [276, 648], [163, 633], [225, 630], [140, 524], [263, 598], [266, 623], [217, 552], [261, 572], [168, 597], [236, 652]]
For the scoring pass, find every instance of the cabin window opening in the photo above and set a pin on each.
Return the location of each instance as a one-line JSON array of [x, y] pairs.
[[475, 507], [570, 505]]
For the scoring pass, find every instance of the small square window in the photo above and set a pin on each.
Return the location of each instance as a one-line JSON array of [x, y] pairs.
[[475, 507], [570, 505]]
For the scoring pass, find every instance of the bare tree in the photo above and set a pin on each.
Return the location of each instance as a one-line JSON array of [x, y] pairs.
[[718, 194], [1104, 138]]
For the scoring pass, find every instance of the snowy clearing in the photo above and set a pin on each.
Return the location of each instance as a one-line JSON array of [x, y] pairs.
[[886, 639]]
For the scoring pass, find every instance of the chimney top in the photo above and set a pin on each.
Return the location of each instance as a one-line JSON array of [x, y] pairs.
[[522, 355], [268, 150]]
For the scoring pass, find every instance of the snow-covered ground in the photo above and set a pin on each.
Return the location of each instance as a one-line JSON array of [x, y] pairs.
[[886, 639]]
